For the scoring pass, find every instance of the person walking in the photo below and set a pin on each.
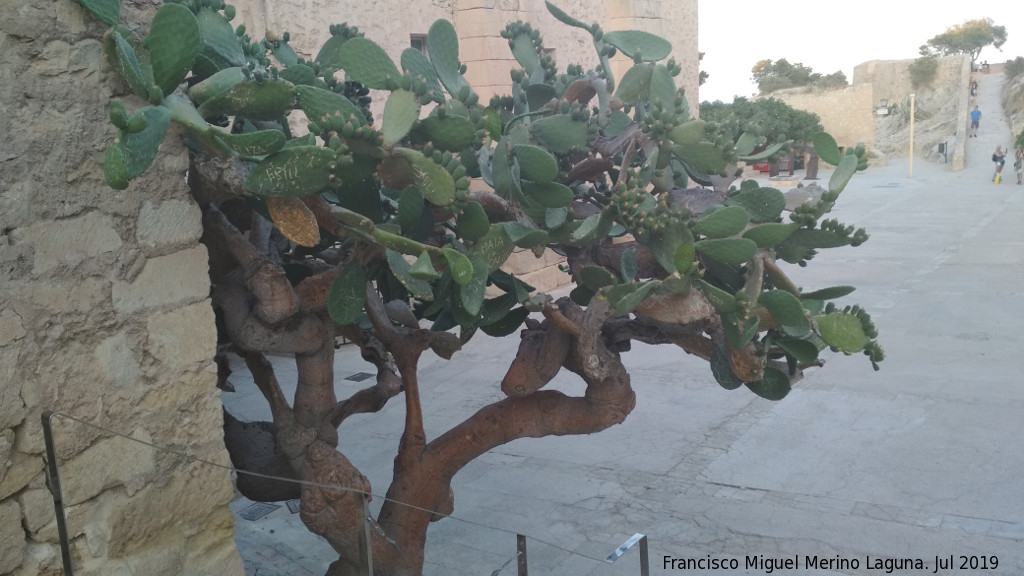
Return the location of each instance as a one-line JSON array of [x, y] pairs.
[[999, 157], [975, 121]]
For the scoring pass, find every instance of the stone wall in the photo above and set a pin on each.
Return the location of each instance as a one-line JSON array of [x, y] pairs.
[[846, 114], [105, 316]]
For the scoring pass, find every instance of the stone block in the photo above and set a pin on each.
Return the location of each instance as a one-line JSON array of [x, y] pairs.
[[12, 407], [36, 509], [184, 336], [12, 539], [478, 22], [116, 360], [24, 468], [177, 278], [77, 295], [70, 241], [168, 226], [484, 48], [110, 462], [546, 278], [523, 262]]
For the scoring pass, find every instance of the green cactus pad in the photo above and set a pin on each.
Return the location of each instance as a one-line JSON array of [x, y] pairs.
[[739, 331], [220, 45], [401, 271], [703, 156], [173, 44], [635, 85], [549, 194], [423, 269], [830, 293], [460, 265], [494, 247], [525, 53], [721, 300], [801, 350], [591, 228], [722, 371], [284, 53], [366, 62], [763, 204], [841, 176], [555, 217], [560, 133], [471, 295], [827, 148], [300, 75], [764, 154], [564, 18], [770, 234], [663, 88], [842, 331], [539, 95], [347, 295], [451, 133], [597, 277], [114, 171], [118, 115], [216, 84], [444, 55], [786, 309], [259, 143], [684, 258], [140, 148], [138, 76], [723, 222], [733, 251], [688, 133], [635, 43], [401, 111], [108, 11], [298, 172], [417, 66], [775, 385], [535, 163], [626, 297], [472, 224], [745, 144], [331, 111], [434, 182], [267, 100], [524, 236], [327, 58]]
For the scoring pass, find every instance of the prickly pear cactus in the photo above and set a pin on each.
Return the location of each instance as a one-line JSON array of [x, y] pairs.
[[566, 160]]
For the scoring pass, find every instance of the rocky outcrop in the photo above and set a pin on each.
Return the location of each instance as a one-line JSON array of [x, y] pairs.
[[105, 316]]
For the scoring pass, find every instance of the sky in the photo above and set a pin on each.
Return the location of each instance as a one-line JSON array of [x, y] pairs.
[[831, 36]]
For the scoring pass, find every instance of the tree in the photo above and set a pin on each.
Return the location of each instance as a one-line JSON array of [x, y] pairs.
[[373, 234], [769, 120], [780, 74], [966, 38]]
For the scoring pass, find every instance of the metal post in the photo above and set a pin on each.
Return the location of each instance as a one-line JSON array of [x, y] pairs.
[[365, 541], [53, 483], [645, 562], [521, 554]]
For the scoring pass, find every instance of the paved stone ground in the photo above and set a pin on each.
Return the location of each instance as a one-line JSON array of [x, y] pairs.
[[919, 460]]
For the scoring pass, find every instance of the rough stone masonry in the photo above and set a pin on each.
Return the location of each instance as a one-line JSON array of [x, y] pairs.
[[104, 315]]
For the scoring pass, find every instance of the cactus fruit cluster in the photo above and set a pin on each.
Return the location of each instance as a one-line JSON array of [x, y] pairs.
[[566, 160]]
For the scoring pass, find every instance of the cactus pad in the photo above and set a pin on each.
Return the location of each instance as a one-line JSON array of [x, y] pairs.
[[173, 44], [639, 45], [347, 295], [366, 62], [294, 220], [259, 143], [400, 113], [298, 171]]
